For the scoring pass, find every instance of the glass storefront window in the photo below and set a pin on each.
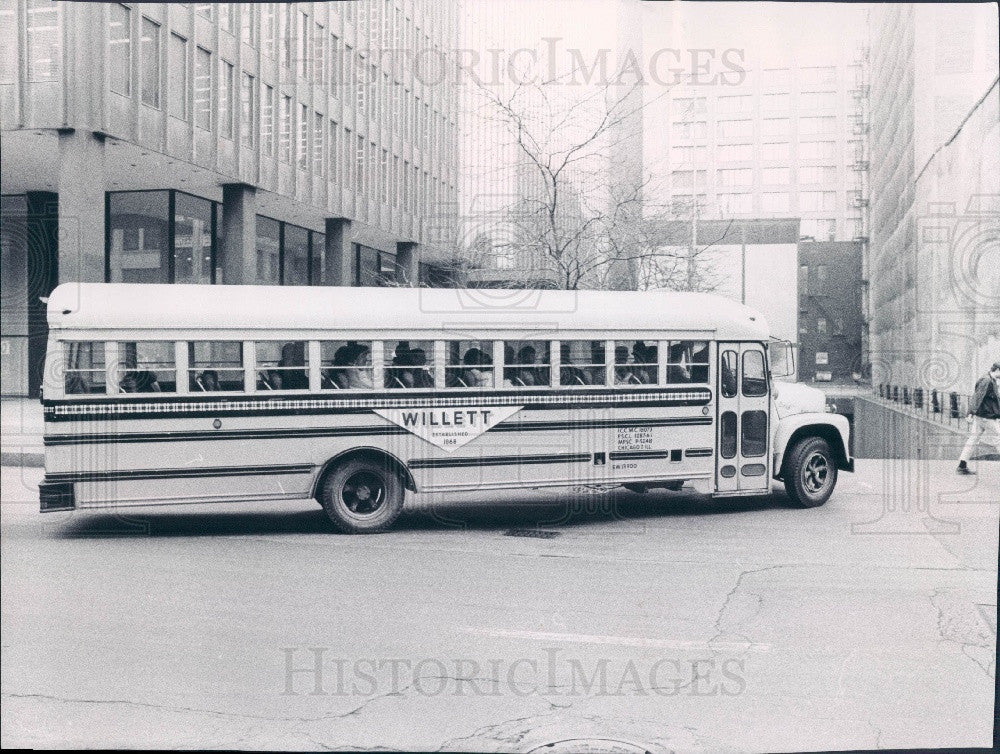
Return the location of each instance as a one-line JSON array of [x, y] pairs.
[[268, 246], [192, 239], [139, 223], [296, 257], [318, 259]]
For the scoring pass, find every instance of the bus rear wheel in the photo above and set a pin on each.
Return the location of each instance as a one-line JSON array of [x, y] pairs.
[[361, 496], [810, 472]]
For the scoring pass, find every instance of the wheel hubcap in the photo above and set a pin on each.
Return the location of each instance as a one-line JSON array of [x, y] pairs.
[[815, 473], [363, 493]]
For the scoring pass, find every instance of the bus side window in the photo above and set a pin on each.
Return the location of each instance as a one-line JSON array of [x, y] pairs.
[[728, 374], [581, 362], [687, 361], [285, 365], [85, 371], [215, 366], [407, 364], [635, 362], [469, 364], [754, 375], [345, 365], [527, 363], [147, 367]]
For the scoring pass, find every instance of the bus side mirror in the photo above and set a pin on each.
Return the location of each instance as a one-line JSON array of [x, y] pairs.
[[782, 358]]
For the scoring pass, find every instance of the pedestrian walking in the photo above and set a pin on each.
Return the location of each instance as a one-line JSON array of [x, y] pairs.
[[984, 416]]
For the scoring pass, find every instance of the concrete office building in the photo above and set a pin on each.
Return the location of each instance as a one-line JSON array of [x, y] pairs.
[[934, 260], [256, 143], [782, 143]]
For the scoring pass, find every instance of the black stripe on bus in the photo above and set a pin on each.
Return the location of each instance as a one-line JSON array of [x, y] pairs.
[[698, 452], [120, 475], [315, 404], [358, 431], [638, 455], [438, 463]]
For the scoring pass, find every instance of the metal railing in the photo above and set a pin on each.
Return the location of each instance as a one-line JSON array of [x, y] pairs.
[[949, 408]]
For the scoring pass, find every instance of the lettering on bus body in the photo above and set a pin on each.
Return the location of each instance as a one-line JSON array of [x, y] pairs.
[[449, 428]]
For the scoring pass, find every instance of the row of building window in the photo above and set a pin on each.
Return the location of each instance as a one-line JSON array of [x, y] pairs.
[[274, 365], [744, 176], [697, 154], [172, 237], [744, 128], [735, 103]]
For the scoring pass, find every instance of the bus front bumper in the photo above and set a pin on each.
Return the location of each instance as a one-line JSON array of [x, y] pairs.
[[55, 496]]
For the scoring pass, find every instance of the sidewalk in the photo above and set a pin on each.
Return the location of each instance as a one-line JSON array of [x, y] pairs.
[[21, 430]]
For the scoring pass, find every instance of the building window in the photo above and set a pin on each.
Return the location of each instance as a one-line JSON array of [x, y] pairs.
[[821, 326], [267, 121], [359, 165], [120, 49], [817, 100], [777, 78], [685, 130], [268, 28], [248, 27], [268, 251], [822, 357], [775, 127], [336, 65], [729, 129], [304, 53], [295, 256], [44, 38], [776, 176], [774, 201], [287, 35], [317, 258], [203, 88], [319, 55], [776, 101], [734, 152], [192, 239], [150, 51], [819, 229], [226, 99], [688, 178], [735, 177], [177, 76], [814, 75], [319, 159], [826, 124], [227, 19], [817, 150], [735, 103], [736, 204], [303, 137], [285, 134], [138, 234], [817, 201], [161, 237], [248, 89], [775, 150], [684, 106], [333, 152]]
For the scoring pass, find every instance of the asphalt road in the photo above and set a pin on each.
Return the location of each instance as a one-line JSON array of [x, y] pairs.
[[667, 621]]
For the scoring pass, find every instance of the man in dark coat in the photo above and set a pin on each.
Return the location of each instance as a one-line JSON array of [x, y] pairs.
[[984, 416]]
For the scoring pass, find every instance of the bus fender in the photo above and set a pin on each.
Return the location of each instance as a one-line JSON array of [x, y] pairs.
[[833, 428], [376, 454]]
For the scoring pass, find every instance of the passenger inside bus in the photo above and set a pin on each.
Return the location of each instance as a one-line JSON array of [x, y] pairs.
[[294, 355], [624, 374], [207, 381], [478, 371], [143, 381]]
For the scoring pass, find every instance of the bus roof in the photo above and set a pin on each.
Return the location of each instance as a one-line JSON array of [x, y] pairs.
[[130, 306]]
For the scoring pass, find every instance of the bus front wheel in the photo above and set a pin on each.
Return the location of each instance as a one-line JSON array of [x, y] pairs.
[[810, 472], [361, 496]]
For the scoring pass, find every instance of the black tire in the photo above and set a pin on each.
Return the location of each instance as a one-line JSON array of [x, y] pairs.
[[675, 485], [361, 496], [810, 472]]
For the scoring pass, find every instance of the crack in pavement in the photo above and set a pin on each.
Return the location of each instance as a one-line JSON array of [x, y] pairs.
[[959, 622], [720, 631]]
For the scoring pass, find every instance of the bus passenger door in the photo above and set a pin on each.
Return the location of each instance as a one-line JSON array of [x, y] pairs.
[[742, 434]]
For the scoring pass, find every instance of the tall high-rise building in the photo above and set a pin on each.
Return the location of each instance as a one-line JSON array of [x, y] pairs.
[[934, 171], [256, 143], [777, 139]]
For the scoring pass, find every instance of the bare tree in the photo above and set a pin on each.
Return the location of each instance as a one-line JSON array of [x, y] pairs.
[[586, 221]]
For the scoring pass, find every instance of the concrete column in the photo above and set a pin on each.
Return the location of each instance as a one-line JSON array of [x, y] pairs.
[[238, 255], [339, 252], [407, 263], [81, 207]]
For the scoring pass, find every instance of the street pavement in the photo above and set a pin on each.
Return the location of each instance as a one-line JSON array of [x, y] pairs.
[[666, 621]]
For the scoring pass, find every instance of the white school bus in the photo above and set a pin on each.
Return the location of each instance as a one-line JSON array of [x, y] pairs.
[[165, 394]]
